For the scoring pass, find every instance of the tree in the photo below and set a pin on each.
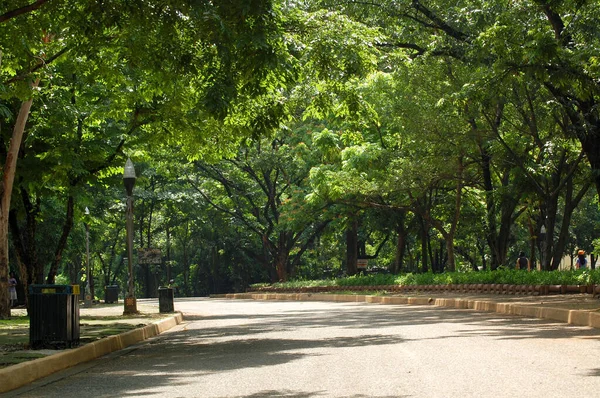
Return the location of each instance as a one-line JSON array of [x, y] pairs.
[[228, 52], [261, 189], [529, 38]]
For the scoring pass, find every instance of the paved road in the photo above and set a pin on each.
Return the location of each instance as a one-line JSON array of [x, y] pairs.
[[243, 348]]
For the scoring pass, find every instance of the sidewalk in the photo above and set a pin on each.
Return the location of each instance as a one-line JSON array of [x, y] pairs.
[[148, 323]]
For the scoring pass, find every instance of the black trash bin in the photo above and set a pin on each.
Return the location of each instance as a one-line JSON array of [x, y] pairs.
[[165, 299], [112, 294], [54, 316]]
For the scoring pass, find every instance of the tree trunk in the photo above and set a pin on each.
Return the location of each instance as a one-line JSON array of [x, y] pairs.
[[491, 226], [8, 178], [62, 242], [400, 247], [316, 232], [186, 270], [507, 218], [548, 220], [499, 235], [424, 238], [24, 241], [570, 205], [281, 260], [451, 266], [4, 297], [266, 258], [589, 136], [583, 114], [533, 243], [92, 284], [352, 248], [20, 251]]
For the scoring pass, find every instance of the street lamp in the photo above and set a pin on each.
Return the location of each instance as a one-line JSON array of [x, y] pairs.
[[129, 181], [543, 247], [88, 295]]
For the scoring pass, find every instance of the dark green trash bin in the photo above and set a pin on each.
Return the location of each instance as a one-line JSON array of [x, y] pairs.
[[54, 316], [165, 299], [111, 295]]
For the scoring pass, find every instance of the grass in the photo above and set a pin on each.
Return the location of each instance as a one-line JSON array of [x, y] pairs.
[[14, 334], [13, 358]]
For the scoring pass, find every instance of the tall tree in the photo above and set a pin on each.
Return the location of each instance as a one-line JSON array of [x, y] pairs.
[[227, 55], [262, 190]]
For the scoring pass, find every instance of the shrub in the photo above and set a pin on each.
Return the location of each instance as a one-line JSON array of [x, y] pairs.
[[501, 276]]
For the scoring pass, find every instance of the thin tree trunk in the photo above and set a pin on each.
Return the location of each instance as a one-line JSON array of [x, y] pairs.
[[62, 242], [400, 247], [569, 206], [8, 178], [424, 239], [20, 253], [352, 248]]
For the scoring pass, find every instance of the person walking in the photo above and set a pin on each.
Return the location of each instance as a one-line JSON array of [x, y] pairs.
[[581, 262], [523, 262], [12, 289]]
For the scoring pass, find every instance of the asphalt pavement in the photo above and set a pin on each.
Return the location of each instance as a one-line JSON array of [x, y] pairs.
[[21, 374], [574, 309]]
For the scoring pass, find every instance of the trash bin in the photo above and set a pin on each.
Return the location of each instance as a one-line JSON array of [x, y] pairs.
[[111, 295], [54, 316], [165, 299]]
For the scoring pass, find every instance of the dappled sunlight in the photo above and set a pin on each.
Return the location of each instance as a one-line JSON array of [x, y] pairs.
[[234, 338]]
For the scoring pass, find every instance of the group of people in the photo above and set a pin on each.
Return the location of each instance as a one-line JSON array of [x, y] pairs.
[[524, 263]]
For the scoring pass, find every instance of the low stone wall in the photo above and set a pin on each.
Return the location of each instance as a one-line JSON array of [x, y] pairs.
[[536, 309], [481, 288]]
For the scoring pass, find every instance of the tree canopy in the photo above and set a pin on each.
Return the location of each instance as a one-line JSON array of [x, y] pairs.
[[289, 139]]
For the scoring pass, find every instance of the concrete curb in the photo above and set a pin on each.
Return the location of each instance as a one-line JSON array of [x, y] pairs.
[[571, 317], [24, 373]]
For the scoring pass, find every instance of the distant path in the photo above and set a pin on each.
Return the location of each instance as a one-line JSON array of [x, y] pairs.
[[240, 348]]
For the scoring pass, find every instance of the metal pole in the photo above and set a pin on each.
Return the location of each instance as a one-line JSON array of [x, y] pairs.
[[543, 248], [129, 181], [132, 308], [88, 295]]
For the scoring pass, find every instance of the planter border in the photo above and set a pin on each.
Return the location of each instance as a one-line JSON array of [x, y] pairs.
[[486, 288]]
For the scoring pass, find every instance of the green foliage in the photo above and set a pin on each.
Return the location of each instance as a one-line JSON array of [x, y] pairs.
[[15, 321], [501, 276], [62, 280], [325, 113]]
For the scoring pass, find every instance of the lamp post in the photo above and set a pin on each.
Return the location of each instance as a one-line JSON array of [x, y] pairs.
[[129, 181], [543, 247], [88, 295]]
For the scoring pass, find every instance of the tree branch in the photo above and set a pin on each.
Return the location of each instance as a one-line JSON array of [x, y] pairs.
[[23, 10], [458, 35], [40, 65]]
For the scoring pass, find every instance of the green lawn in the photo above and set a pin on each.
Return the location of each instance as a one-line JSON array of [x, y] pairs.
[[14, 334]]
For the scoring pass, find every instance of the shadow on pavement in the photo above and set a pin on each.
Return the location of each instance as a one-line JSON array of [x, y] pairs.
[[204, 346]]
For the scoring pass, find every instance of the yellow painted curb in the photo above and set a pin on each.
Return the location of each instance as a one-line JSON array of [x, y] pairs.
[[26, 372]]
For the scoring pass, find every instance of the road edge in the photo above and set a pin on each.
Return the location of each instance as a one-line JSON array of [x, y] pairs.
[[19, 375], [541, 311]]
